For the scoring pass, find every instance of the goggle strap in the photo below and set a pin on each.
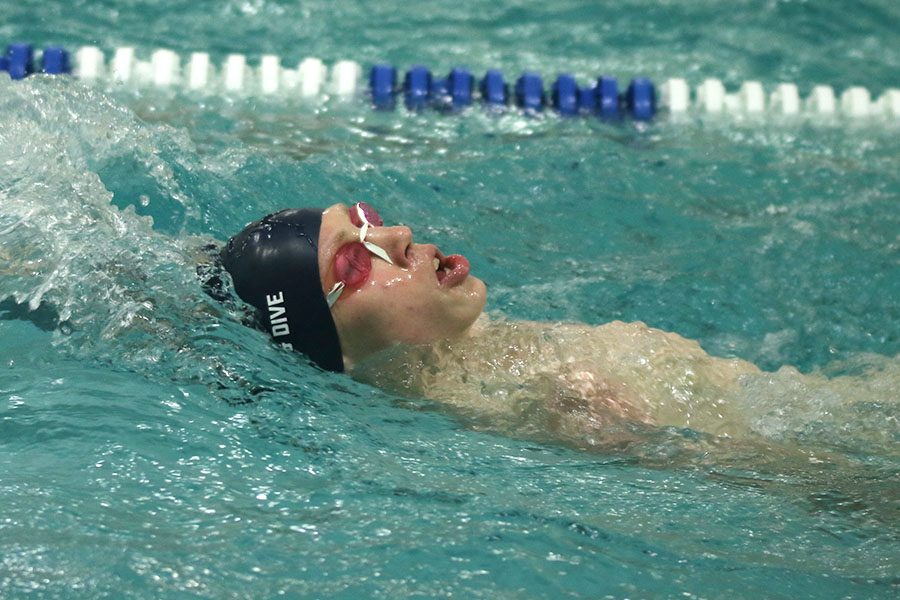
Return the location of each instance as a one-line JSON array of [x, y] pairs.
[[378, 251], [364, 231], [334, 293]]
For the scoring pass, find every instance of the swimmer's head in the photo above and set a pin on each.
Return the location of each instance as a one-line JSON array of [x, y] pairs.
[[370, 286], [274, 265]]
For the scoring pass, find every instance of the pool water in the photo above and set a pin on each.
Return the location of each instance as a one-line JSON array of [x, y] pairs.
[[152, 446]]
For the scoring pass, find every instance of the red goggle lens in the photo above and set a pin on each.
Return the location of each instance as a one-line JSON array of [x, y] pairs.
[[371, 214], [352, 264]]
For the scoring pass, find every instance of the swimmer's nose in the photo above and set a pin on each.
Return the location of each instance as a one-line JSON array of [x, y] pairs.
[[394, 240]]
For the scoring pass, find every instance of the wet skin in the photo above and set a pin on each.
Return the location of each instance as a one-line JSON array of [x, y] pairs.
[[410, 301]]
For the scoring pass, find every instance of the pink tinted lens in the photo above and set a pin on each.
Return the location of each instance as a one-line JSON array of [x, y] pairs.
[[371, 214], [352, 264]]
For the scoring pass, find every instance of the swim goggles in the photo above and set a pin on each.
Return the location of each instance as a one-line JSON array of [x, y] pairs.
[[353, 261]]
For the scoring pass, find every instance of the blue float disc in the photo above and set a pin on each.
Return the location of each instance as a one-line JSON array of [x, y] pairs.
[[459, 84], [587, 99], [641, 99], [439, 93], [608, 97], [530, 92], [20, 60], [416, 87], [494, 90], [56, 60], [383, 82], [565, 95]]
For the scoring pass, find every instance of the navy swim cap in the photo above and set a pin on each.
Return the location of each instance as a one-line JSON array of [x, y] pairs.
[[274, 263]]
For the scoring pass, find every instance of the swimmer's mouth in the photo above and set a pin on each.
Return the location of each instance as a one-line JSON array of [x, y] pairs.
[[450, 270]]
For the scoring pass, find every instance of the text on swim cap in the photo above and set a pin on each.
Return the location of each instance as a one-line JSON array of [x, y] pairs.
[[277, 314]]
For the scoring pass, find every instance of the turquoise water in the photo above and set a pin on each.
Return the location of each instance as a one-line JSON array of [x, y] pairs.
[[151, 446]]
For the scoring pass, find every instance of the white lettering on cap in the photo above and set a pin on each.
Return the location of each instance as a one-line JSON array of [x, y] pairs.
[[277, 314]]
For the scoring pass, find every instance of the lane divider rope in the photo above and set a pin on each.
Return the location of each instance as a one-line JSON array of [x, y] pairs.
[[420, 88]]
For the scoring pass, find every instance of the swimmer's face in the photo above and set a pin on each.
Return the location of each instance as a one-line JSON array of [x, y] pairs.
[[422, 297]]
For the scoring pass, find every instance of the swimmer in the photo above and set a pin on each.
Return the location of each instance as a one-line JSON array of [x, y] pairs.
[[340, 286], [357, 295]]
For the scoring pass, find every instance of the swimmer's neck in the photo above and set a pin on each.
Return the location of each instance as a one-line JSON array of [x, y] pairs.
[[479, 327]]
